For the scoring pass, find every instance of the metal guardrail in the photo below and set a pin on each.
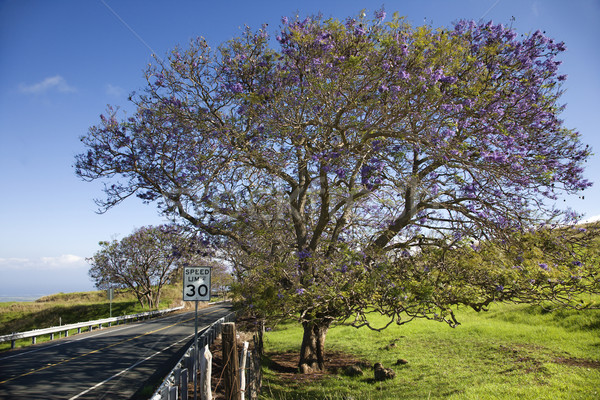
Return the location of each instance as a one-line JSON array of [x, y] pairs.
[[172, 383], [90, 324]]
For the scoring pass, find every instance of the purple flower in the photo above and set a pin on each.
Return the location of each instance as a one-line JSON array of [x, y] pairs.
[[544, 267], [449, 79], [237, 88], [300, 291], [303, 254], [380, 15], [341, 173]]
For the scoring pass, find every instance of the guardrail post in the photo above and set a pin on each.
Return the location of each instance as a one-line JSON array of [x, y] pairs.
[[33, 340], [176, 375], [189, 361], [173, 393], [164, 393], [183, 383]]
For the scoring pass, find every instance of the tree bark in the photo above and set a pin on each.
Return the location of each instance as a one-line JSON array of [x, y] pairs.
[[312, 352]]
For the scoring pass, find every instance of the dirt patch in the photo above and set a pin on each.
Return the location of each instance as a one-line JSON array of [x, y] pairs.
[[578, 362], [286, 366], [523, 358]]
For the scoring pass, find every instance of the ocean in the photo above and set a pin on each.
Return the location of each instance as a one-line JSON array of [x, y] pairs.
[[5, 299]]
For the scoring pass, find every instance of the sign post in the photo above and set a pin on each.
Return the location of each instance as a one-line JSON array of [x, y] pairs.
[[110, 293], [196, 287]]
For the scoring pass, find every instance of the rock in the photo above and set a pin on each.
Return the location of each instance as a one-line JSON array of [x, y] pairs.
[[382, 373], [401, 361], [353, 370]]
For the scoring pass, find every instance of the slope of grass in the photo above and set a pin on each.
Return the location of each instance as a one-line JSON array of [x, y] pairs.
[[509, 352]]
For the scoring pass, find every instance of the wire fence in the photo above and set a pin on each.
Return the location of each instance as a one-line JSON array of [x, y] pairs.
[[176, 385], [242, 382]]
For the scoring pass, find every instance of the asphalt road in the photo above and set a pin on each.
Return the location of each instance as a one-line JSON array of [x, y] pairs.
[[120, 362]]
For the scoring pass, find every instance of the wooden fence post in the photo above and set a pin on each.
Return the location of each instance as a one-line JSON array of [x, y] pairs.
[[243, 357], [205, 374], [230, 358]]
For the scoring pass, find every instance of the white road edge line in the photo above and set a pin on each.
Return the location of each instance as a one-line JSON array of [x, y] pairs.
[[127, 369]]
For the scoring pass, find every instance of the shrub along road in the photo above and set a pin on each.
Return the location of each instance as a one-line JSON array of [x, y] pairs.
[[123, 361]]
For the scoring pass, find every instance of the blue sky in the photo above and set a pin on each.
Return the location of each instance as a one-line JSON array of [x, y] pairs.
[[63, 61]]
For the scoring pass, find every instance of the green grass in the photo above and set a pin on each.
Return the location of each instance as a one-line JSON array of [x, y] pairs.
[[69, 308], [509, 352]]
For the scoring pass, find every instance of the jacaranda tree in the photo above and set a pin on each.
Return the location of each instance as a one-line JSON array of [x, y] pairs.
[[145, 260], [360, 166]]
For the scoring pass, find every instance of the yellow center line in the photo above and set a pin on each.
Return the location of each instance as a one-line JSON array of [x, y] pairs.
[[97, 350]]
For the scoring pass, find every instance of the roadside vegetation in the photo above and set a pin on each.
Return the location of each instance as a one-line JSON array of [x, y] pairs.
[[69, 308], [512, 351]]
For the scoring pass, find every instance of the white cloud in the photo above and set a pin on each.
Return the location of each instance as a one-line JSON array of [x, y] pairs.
[[590, 219], [115, 91], [65, 261], [52, 83]]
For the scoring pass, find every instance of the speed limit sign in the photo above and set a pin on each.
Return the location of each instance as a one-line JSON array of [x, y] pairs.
[[196, 283]]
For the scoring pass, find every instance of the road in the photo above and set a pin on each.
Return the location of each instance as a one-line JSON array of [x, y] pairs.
[[120, 362]]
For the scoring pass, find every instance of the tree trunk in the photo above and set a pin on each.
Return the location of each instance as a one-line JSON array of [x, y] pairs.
[[140, 299], [312, 352], [157, 300], [148, 297]]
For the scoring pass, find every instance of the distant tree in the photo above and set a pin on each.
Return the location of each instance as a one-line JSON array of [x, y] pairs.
[[221, 278], [144, 261], [346, 171]]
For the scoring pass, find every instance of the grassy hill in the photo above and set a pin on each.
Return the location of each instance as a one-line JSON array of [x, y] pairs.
[[68, 308]]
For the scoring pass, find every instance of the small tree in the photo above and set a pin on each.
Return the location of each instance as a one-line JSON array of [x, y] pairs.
[[337, 165], [143, 261]]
